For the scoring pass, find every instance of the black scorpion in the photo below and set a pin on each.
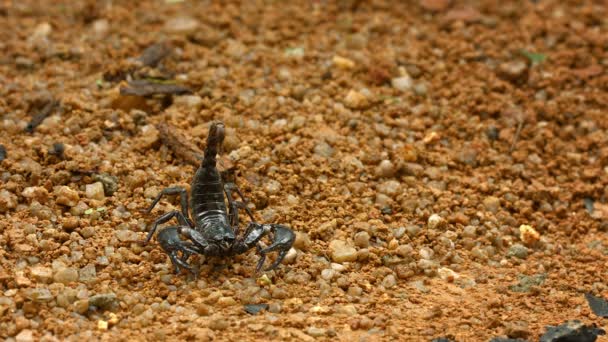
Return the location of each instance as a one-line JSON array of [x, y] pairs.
[[214, 230]]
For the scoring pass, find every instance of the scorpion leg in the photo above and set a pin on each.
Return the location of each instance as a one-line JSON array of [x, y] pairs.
[[183, 196], [165, 218], [235, 205], [282, 240]]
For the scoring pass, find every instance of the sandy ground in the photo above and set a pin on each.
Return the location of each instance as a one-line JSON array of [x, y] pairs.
[[443, 163]]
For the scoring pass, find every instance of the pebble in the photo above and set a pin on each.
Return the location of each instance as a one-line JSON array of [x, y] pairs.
[[447, 274], [181, 25], [341, 252], [40, 211], [87, 273], [189, 101], [518, 250], [362, 239], [390, 187], [42, 274], [273, 187], [328, 274], [66, 275], [385, 169], [389, 281], [127, 235], [39, 295], [226, 301], [8, 201], [528, 235], [492, 204], [110, 183], [435, 222], [412, 230], [105, 301], [37, 193], [323, 149], [315, 332], [302, 241], [87, 232], [65, 195], [343, 63], [420, 89], [403, 83], [218, 322], [100, 27], [355, 100], [291, 256], [95, 191], [81, 306], [513, 70], [25, 335]]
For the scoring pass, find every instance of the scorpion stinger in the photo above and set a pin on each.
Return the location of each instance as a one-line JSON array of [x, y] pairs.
[[212, 229]]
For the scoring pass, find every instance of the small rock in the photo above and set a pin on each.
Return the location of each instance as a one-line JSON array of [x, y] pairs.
[[435, 222], [149, 137], [87, 273], [519, 251], [100, 27], [385, 169], [39, 295], [81, 306], [66, 275], [95, 191], [302, 241], [403, 83], [127, 235], [572, 331], [341, 252], [526, 282], [492, 204], [343, 63], [517, 329], [362, 239], [447, 274], [65, 195], [355, 100], [189, 101], [323, 149], [110, 183], [528, 235], [218, 322], [37, 193], [226, 301], [514, 70], [315, 332], [25, 335], [291, 256], [273, 187], [42, 274], [181, 25], [8, 201], [105, 301], [254, 309], [389, 281]]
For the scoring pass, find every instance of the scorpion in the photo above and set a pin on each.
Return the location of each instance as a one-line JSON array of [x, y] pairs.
[[214, 227]]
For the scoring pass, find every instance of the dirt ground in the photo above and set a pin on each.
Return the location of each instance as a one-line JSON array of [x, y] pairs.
[[444, 164]]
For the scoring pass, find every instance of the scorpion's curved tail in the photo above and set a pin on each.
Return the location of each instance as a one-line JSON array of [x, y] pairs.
[[214, 142]]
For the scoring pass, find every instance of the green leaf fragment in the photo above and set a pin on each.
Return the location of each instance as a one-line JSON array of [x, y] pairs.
[[535, 58]]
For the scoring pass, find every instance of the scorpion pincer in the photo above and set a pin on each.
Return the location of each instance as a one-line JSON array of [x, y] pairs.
[[214, 228]]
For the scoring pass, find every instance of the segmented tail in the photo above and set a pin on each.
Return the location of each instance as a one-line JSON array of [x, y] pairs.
[[214, 142]]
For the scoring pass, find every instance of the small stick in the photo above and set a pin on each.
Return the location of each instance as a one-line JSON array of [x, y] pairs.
[[2, 152], [520, 125], [148, 88], [40, 116], [179, 145]]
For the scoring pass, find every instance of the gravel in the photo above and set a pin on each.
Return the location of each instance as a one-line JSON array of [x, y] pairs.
[[342, 252]]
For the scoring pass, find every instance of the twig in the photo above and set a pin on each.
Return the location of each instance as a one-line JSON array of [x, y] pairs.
[[520, 125], [149, 88], [40, 116]]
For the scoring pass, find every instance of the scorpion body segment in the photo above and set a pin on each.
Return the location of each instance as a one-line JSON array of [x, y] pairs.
[[213, 229]]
